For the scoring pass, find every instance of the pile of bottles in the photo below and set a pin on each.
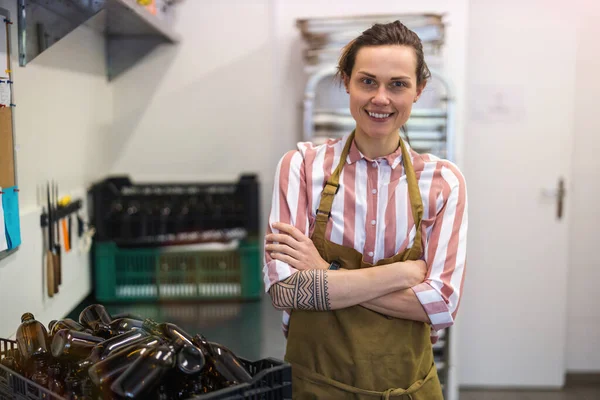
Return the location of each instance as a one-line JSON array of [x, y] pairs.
[[100, 357]]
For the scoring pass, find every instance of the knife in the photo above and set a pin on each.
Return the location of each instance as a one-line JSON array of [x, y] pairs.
[[57, 248], [49, 253]]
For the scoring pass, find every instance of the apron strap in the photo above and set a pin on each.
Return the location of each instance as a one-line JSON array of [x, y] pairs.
[[333, 185], [416, 204], [316, 378], [329, 191]]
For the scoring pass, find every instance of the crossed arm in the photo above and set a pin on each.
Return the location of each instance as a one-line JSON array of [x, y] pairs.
[[384, 289]]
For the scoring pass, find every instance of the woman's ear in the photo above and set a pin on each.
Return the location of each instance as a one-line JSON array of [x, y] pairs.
[[346, 80], [420, 90]]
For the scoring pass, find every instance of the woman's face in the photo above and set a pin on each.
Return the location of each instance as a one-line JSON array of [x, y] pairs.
[[382, 88]]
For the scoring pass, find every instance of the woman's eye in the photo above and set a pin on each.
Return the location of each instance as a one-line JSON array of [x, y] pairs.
[[368, 81], [398, 84]]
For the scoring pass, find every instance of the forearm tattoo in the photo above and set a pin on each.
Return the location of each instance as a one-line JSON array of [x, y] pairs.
[[304, 290]]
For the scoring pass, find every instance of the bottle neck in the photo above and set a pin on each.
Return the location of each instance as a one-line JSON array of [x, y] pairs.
[[152, 326], [27, 317]]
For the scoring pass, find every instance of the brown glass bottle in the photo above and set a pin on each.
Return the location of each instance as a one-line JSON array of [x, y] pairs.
[[222, 362], [39, 374], [55, 384], [170, 332], [67, 323], [97, 319], [123, 325], [114, 344], [103, 373], [145, 373], [73, 345], [31, 338], [12, 360], [190, 360], [72, 388], [11, 363]]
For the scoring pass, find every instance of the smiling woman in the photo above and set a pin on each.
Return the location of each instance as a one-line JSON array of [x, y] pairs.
[[366, 242]]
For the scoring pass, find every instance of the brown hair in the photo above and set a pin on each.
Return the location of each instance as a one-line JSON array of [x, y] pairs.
[[394, 33]]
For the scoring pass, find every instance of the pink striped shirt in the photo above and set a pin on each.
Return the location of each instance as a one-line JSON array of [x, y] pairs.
[[371, 213]]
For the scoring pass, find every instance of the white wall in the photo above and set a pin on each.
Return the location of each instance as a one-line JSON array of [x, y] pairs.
[[583, 340], [201, 110], [64, 111]]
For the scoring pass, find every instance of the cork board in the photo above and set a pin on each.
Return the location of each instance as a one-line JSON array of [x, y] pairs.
[[7, 160]]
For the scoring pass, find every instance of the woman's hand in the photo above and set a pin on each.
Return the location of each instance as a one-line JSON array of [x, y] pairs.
[[415, 271], [294, 248]]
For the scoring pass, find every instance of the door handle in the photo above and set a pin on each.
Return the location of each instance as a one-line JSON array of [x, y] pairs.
[[559, 195]]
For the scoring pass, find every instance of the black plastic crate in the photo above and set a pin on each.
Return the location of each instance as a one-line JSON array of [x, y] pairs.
[[129, 213], [272, 380], [14, 386]]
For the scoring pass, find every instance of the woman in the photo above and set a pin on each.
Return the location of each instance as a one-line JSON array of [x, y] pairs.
[[367, 239]]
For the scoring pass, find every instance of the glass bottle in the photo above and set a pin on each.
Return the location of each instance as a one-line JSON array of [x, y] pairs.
[[96, 318], [123, 325], [190, 360], [55, 384], [222, 362], [145, 373], [103, 373], [67, 323], [109, 346], [39, 375], [12, 360], [170, 332], [72, 388], [73, 345], [31, 338], [11, 363]]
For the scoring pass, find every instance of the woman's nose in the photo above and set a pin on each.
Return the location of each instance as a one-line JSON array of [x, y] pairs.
[[381, 97]]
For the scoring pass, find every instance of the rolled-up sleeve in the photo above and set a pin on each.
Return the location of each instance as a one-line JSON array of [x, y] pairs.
[[288, 205], [445, 253]]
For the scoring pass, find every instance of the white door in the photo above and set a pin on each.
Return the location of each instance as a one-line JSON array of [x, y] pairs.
[[521, 80], [583, 317]]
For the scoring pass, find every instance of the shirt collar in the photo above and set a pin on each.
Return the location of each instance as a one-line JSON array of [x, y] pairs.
[[393, 159]]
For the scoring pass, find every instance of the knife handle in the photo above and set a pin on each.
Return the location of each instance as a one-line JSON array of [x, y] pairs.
[[65, 232], [50, 273], [56, 270]]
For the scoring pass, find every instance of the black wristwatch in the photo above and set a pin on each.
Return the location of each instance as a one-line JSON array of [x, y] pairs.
[[335, 265]]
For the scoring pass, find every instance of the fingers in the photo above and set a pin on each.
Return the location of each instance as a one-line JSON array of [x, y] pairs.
[[286, 259], [283, 238], [290, 230], [282, 248]]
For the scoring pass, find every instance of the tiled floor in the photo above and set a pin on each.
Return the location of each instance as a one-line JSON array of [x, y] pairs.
[[253, 331]]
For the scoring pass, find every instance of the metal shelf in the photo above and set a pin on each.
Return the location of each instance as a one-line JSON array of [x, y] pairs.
[[131, 31]]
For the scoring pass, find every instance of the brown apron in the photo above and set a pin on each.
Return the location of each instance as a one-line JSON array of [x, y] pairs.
[[356, 353]]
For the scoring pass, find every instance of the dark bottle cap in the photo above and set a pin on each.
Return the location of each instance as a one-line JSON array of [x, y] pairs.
[[27, 317]]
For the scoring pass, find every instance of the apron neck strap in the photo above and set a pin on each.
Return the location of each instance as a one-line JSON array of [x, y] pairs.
[[416, 204], [332, 186]]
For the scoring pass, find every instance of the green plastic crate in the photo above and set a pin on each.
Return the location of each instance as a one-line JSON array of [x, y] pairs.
[[150, 274]]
